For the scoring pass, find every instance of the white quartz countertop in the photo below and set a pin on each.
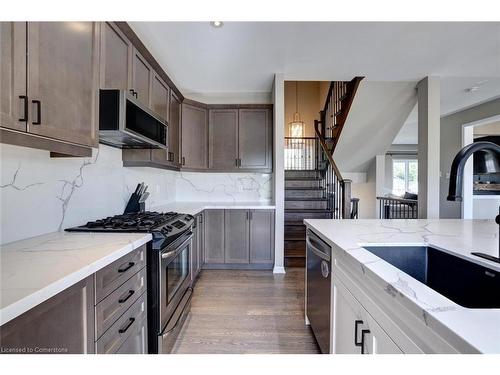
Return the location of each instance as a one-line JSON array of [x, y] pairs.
[[194, 208], [35, 269], [475, 329]]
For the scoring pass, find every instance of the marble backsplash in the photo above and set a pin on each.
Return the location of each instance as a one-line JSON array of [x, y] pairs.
[[40, 194]]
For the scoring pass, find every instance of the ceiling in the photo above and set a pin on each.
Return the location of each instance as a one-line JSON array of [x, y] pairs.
[[242, 57]]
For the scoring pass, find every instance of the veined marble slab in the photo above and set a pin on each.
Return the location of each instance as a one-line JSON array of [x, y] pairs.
[[35, 269], [471, 329], [194, 208]]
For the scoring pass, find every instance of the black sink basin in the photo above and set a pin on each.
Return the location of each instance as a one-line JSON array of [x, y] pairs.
[[465, 283]]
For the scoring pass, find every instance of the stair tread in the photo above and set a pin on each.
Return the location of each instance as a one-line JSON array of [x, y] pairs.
[[295, 238], [305, 199], [295, 254], [304, 188], [293, 222], [307, 210]]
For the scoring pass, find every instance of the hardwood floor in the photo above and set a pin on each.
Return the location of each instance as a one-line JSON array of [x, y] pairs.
[[247, 312]]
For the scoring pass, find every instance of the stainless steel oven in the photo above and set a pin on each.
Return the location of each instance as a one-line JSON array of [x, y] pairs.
[[175, 293]]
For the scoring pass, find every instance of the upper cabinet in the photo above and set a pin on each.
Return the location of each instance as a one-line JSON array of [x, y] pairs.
[[255, 139], [240, 138], [160, 98], [223, 139], [142, 75], [194, 136], [115, 59], [48, 85], [174, 126]]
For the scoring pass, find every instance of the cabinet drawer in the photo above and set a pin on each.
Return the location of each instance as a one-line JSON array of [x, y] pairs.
[[111, 277], [114, 305], [123, 328], [137, 342]]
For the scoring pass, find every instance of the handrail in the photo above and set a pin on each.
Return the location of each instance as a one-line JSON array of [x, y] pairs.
[[326, 152]]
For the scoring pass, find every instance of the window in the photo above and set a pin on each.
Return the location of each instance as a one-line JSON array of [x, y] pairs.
[[404, 176]]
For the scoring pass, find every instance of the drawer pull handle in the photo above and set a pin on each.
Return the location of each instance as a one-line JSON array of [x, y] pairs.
[[129, 294], [24, 98], [124, 329], [364, 332], [38, 105], [129, 266]]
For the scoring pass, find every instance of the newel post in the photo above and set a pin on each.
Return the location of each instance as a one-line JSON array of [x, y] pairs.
[[346, 199]]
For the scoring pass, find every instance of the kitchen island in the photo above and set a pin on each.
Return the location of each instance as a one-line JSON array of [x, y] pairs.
[[403, 314]]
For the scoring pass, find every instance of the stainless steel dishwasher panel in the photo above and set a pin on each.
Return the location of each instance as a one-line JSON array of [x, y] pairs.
[[318, 289]]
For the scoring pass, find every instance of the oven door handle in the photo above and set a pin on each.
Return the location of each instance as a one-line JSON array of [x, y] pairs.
[[171, 253], [185, 302]]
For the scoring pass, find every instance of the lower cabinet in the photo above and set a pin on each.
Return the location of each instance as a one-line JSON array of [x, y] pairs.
[[197, 248], [62, 324], [354, 330], [104, 313], [238, 238]]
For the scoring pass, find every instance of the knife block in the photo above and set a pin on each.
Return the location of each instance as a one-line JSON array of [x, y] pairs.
[[133, 204]]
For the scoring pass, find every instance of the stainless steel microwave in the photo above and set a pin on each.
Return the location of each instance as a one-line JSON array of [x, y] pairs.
[[125, 122]]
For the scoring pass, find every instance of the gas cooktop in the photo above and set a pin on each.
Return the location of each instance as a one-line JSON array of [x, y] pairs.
[[164, 226]]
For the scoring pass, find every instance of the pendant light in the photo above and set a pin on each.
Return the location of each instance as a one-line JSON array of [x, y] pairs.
[[296, 127]]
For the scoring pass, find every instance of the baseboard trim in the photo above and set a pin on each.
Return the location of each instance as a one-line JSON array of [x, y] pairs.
[[279, 269]]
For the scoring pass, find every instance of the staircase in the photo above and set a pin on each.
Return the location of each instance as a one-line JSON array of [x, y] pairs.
[[305, 197], [314, 187]]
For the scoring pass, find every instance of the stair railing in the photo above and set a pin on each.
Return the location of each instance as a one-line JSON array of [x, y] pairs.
[[301, 153], [333, 117]]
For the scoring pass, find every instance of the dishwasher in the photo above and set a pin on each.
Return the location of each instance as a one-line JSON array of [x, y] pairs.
[[319, 289]]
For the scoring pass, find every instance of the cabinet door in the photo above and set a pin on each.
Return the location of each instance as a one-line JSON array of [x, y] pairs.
[[13, 75], [137, 342], [349, 313], [174, 129], [255, 138], [64, 322], [261, 236], [214, 236], [160, 97], [115, 58], [142, 75], [223, 139], [236, 236], [62, 80], [195, 260], [201, 241], [194, 137]]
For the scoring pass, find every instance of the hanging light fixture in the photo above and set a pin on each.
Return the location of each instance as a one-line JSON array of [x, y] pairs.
[[296, 126]]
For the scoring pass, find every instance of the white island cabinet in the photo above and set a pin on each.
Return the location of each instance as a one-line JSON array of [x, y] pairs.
[[377, 308]]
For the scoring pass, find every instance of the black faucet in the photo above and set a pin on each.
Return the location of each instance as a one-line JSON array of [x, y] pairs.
[[456, 182]]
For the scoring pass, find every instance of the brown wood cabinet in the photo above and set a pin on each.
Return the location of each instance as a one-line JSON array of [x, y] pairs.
[[115, 58], [59, 72], [223, 139], [13, 75], [240, 138], [174, 129], [62, 324], [255, 138], [194, 136], [238, 239], [142, 78]]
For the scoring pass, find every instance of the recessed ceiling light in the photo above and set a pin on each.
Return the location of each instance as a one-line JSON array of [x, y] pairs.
[[217, 24]]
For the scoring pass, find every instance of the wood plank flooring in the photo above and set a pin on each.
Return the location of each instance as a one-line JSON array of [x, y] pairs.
[[239, 311]]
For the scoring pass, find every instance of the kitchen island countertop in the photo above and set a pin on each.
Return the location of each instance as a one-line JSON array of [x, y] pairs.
[[470, 330]]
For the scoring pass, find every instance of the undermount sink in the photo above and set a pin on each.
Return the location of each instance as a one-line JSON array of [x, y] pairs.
[[465, 283]]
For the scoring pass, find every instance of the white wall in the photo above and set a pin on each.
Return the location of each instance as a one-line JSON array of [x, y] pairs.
[[363, 187], [39, 194], [485, 206]]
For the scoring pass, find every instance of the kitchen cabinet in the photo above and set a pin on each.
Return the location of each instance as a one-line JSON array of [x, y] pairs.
[[160, 98], [62, 73], [115, 59], [261, 244], [354, 330], [239, 138], [51, 95], [197, 248], [223, 139], [236, 237], [174, 130], [13, 75], [194, 136], [255, 139], [214, 236], [142, 74], [62, 324]]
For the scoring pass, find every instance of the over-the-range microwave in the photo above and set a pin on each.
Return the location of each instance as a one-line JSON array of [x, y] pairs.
[[125, 122]]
